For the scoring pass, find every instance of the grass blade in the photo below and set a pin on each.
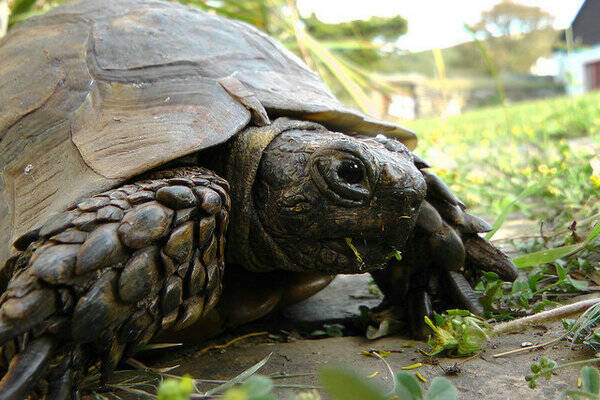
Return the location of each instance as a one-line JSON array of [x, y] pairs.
[[240, 378], [531, 190]]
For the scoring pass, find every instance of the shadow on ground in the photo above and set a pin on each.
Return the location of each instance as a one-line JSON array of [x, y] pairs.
[[479, 377]]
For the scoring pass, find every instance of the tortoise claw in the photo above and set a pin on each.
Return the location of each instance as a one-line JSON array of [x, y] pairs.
[[27, 368], [420, 307], [462, 291], [482, 255]]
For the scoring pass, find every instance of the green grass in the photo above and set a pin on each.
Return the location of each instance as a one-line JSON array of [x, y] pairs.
[[536, 161], [489, 160]]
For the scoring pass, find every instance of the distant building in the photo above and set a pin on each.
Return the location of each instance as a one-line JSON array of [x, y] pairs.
[[580, 69]]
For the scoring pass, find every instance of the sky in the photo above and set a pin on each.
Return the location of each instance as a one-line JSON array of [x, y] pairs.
[[431, 23]]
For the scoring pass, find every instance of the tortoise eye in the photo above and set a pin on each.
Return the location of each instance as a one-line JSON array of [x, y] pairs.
[[351, 172]]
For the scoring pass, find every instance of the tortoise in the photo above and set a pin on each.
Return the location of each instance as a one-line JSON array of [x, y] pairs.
[[163, 167]]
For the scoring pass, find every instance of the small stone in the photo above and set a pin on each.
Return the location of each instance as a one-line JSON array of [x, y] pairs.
[[58, 223], [101, 249], [110, 213], [70, 236], [141, 196], [140, 275], [93, 203], [172, 294], [176, 197], [145, 224], [55, 264], [181, 243]]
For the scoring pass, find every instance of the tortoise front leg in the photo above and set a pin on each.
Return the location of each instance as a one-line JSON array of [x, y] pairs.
[[105, 276], [442, 259]]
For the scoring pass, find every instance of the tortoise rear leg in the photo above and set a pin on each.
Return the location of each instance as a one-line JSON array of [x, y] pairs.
[[105, 276]]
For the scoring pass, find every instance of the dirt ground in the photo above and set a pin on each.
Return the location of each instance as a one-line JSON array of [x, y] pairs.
[[479, 377]]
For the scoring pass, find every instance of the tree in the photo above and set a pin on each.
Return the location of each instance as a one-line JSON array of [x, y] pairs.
[[359, 40], [516, 35]]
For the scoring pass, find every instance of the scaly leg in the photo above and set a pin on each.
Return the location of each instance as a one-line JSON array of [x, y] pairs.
[[98, 281]]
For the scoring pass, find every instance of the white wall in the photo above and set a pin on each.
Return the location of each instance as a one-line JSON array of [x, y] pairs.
[[571, 68]]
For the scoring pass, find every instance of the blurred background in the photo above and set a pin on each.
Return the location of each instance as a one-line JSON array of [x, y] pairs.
[[501, 93]]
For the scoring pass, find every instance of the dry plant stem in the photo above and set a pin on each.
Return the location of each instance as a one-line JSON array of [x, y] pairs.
[[558, 312], [522, 349], [232, 341], [544, 316]]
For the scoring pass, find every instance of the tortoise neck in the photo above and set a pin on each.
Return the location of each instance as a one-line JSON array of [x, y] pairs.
[[248, 244]]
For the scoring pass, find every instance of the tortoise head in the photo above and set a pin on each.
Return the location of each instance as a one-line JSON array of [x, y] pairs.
[[332, 203]]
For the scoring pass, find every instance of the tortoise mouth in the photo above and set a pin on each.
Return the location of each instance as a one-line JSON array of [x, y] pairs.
[[347, 255]]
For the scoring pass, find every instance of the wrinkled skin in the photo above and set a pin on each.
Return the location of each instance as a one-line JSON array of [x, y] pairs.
[[313, 192], [102, 279]]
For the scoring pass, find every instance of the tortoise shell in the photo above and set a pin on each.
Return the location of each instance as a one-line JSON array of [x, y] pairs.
[[94, 95]]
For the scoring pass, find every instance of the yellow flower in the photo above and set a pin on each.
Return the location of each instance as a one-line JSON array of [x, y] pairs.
[[543, 168], [235, 394], [530, 132], [554, 190], [516, 130], [595, 181], [526, 171]]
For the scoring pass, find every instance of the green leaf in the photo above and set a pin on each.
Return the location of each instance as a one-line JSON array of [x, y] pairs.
[[546, 256], [342, 384], [561, 272], [407, 387], [240, 378], [576, 394], [257, 386], [21, 6], [595, 232], [590, 380], [509, 206], [176, 389], [441, 389], [578, 284]]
